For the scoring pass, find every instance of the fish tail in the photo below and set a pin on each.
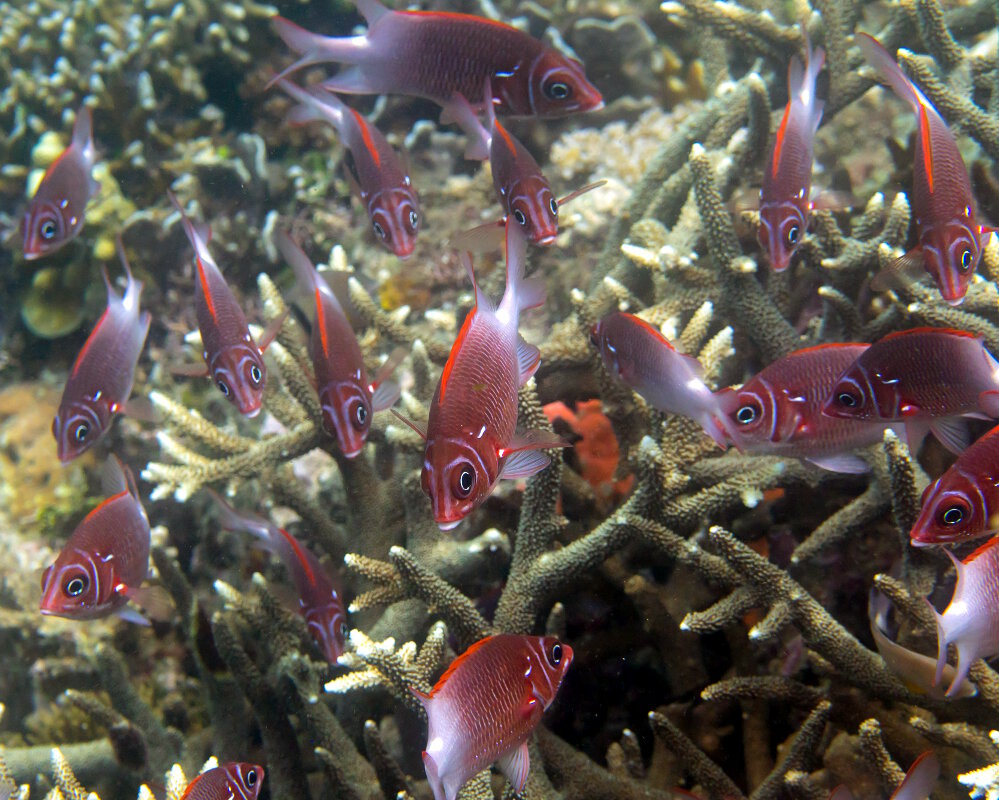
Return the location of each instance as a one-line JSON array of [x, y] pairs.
[[313, 106], [133, 288], [886, 66], [233, 520], [83, 133], [942, 643], [316, 49]]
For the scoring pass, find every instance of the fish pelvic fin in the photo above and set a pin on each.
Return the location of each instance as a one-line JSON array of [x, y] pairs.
[[434, 778]]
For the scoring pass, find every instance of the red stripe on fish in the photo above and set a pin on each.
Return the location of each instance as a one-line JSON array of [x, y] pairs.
[[369, 143], [459, 341], [779, 142], [207, 289], [924, 134], [321, 323]]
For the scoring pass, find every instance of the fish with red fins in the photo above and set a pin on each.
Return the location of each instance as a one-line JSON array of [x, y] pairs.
[[485, 707], [55, 214], [100, 381], [471, 436], [237, 780], [434, 54], [950, 237], [785, 201], [917, 784], [380, 179]]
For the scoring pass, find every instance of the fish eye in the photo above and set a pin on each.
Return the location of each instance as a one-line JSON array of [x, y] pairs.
[[553, 205], [747, 414], [82, 431], [557, 90], [251, 777], [595, 336], [342, 630], [519, 216], [965, 262], [379, 230], [256, 375], [463, 480], [952, 515], [414, 219], [48, 230], [360, 415], [847, 400], [555, 655], [792, 235], [223, 387], [76, 586]]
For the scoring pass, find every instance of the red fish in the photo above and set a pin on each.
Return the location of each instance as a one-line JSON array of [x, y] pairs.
[[380, 178], [105, 560], [434, 54], [485, 707], [785, 204], [347, 397], [971, 620], [236, 780], [916, 785], [963, 503], [471, 434], [320, 600], [950, 238], [235, 362], [101, 379], [637, 354], [56, 212], [779, 410], [925, 377]]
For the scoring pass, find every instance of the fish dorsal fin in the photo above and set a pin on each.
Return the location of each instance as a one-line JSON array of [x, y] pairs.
[[929, 329], [372, 10], [456, 664], [515, 764]]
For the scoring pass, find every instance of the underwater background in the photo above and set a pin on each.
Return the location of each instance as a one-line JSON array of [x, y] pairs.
[[720, 605]]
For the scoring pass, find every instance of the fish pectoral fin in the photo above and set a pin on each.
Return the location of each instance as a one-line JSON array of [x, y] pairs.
[[842, 462], [385, 395], [915, 432], [524, 456], [528, 359], [952, 433], [901, 272], [189, 370], [524, 464], [515, 765], [481, 239], [133, 616], [142, 409], [272, 330], [154, 600], [433, 775]]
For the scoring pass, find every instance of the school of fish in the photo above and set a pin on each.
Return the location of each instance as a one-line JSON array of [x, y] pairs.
[[824, 404]]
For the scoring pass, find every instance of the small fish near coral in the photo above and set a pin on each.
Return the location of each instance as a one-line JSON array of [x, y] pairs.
[[916, 785], [55, 215], [485, 707], [379, 178], [233, 359], [471, 438], [779, 410], [785, 201], [237, 780], [106, 559], [320, 598], [434, 54], [101, 378], [347, 398], [926, 378], [950, 237]]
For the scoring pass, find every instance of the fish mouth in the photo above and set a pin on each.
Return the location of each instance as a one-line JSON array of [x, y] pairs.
[[250, 413], [448, 526], [352, 453], [544, 241]]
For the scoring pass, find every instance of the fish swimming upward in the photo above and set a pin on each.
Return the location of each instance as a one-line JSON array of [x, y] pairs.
[[779, 410], [236, 780], [104, 562], [926, 378], [638, 355], [347, 398], [433, 54], [471, 438], [485, 707], [380, 179], [235, 362], [785, 204], [55, 214], [320, 600], [100, 381], [950, 238]]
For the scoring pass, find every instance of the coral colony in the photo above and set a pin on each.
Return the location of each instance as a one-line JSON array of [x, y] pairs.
[[686, 486]]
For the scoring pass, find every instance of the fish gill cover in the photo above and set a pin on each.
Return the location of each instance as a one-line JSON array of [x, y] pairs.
[[714, 600]]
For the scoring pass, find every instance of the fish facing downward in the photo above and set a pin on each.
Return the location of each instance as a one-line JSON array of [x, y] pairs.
[[380, 179], [971, 620], [100, 381], [471, 438], [950, 238], [637, 354], [779, 410], [347, 398], [105, 560], [55, 214], [926, 378], [235, 362], [963, 503], [785, 203], [434, 54], [236, 780], [320, 600], [485, 707]]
